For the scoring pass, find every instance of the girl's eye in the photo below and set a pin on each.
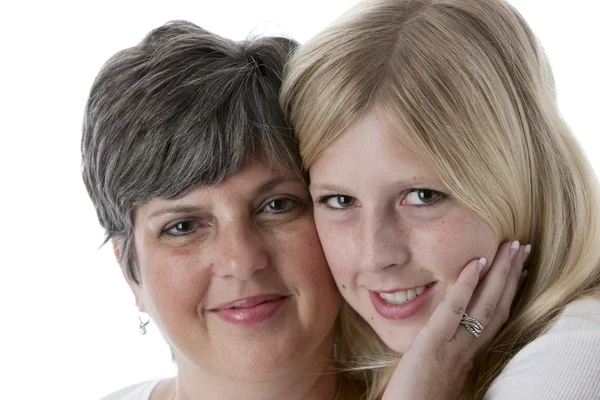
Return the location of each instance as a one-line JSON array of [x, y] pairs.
[[338, 201], [417, 197], [280, 206], [182, 228]]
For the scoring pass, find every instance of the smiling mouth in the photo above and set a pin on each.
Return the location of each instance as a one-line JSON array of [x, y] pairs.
[[250, 311], [401, 304], [247, 302], [403, 296]]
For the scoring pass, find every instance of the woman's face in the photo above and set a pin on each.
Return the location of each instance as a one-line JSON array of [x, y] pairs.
[[234, 275], [393, 236]]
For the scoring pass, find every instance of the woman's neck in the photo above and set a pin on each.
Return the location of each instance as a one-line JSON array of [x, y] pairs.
[[345, 389], [297, 385], [311, 377]]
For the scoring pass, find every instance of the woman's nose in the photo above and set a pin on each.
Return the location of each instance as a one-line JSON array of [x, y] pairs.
[[241, 251]]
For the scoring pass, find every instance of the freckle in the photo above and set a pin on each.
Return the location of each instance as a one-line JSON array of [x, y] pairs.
[[343, 286], [372, 319]]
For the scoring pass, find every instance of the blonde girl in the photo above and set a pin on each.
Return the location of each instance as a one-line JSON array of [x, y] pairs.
[[430, 127]]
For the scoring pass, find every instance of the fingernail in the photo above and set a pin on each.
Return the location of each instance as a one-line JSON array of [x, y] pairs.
[[528, 249], [481, 264], [514, 247]]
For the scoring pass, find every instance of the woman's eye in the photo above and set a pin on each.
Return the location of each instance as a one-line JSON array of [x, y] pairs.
[[421, 197], [338, 201], [280, 205], [182, 228]]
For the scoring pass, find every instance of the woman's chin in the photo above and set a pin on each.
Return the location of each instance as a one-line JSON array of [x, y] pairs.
[[265, 365]]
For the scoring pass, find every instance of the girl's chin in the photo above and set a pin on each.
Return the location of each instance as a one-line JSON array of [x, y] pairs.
[[399, 340], [398, 346]]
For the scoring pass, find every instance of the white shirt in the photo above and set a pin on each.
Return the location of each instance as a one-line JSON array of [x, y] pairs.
[[562, 364], [139, 391]]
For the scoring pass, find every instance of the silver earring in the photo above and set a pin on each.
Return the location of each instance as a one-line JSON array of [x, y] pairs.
[[143, 325]]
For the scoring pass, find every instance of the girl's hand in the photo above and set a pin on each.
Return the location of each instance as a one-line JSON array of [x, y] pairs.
[[441, 355]]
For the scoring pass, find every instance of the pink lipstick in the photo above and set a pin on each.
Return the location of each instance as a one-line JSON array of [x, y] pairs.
[[400, 311], [250, 310]]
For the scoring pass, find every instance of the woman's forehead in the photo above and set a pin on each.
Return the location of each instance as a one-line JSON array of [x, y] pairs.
[[254, 179]]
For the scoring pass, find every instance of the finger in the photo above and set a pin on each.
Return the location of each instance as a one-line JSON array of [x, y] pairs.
[[446, 317], [485, 299], [522, 280], [525, 272], [515, 281]]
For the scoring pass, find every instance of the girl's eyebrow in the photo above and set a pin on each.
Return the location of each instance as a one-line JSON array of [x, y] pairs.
[[416, 180], [326, 186]]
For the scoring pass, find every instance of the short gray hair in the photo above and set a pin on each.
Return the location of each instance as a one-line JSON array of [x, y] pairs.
[[182, 109]]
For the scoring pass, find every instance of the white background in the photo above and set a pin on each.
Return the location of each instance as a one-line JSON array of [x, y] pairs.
[[68, 324]]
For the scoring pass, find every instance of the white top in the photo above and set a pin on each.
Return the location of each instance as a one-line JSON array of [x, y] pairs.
[[139, 391], [564, 363]]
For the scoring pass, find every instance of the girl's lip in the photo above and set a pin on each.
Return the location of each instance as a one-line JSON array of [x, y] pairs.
[[400, 311]]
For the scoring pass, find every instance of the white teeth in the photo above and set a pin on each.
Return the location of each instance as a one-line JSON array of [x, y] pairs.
[[402, 296], [387, 296]]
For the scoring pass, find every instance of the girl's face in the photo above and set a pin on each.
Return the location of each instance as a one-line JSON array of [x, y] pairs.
[[393, 236]]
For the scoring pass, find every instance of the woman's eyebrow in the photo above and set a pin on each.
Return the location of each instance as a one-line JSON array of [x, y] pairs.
[[271, 184], [266, 186], [175, 209]]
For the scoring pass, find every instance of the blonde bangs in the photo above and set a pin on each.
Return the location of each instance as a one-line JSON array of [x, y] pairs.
[[331, 81]]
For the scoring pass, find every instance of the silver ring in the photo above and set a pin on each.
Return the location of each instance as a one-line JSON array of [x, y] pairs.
[[472, 325]]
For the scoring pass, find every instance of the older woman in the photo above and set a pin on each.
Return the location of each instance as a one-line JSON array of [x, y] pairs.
[[431, 134], [220, 251], [196, 179]]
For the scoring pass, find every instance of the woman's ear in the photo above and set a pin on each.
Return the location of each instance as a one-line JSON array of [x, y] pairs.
[[135, 287]]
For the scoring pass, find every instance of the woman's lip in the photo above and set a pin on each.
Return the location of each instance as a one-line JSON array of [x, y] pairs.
[[258, 312], [400, 311], [247, 302]]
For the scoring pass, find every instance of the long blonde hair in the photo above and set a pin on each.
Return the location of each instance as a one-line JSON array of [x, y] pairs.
[[470, 84]]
